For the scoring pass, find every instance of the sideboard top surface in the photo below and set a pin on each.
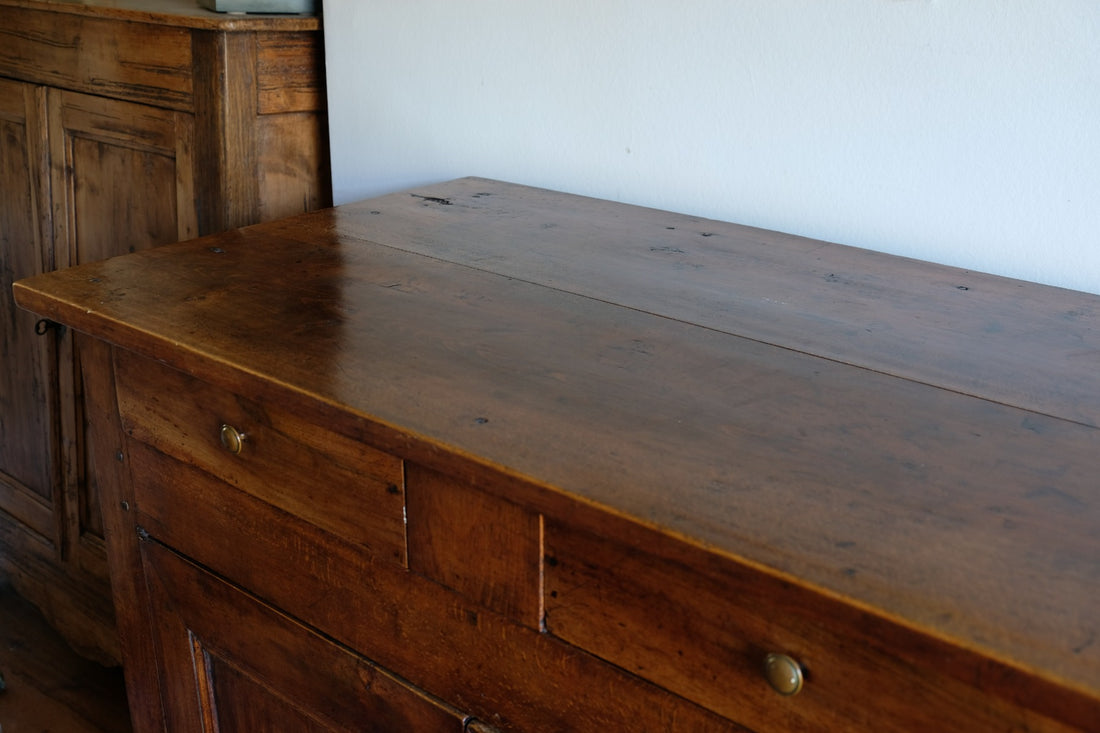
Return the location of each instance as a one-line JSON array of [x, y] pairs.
[[919, 440], [179, 13]]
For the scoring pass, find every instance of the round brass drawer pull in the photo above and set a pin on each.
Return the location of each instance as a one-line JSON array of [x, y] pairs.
[[784, 674], [232, 439]]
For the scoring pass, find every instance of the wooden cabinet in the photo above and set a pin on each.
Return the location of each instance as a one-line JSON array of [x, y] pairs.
[[28, 384], [124, 126], [489, 458]]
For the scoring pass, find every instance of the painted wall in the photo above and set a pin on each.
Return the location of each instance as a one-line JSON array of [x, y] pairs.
[[966, 133]]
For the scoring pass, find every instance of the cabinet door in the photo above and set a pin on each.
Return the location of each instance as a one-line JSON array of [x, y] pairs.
[[121, 174], [121, 177], [26, 396], [230, 662]]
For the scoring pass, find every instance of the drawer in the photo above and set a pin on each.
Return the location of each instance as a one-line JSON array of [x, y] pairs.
[[340, 485], [707, 628], [132, 61]]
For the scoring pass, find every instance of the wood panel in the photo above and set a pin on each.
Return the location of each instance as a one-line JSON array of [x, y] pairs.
[[49, 687], [705, 634], [233, 663], [1006, 340], [264, 152], [39, 552], [117, 169], [440, 641], [144, 63], [484, 547], [238, 702], [290, 73], [292, 173], [128, 590], [78, 607], [27, 433], [342, 486], [290, 132], [226, 115]]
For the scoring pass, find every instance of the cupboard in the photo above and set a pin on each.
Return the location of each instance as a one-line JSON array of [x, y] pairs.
[[478, 456], [123, 125]]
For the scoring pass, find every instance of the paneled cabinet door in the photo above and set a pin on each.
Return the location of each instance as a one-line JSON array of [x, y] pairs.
[[122, 180], [27, 394], [122, 176], [82, 178], [230, 662]]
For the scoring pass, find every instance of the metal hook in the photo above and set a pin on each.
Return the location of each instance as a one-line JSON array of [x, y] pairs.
[[45, 325]]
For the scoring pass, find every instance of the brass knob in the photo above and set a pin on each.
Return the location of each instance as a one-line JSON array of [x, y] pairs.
[[784, 674], [232, 439]]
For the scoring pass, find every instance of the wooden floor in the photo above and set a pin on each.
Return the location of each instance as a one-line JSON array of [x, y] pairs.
[[47, 686]]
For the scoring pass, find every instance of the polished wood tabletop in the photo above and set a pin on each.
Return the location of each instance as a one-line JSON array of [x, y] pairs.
[[916, 440]]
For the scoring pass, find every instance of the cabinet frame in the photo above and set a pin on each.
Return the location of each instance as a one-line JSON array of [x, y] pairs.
[[121, 103]]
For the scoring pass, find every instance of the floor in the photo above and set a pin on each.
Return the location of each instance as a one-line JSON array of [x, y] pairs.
[[46, 687]]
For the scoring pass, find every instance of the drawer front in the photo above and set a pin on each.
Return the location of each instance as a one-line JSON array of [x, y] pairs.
[[705, 629], [338, 484], [131, 61]]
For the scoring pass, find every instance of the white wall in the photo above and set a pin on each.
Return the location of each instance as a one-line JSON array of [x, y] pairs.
[[965, 132]]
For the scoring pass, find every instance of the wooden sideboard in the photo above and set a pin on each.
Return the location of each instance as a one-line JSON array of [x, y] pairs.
[[484, 457], [123, 125]]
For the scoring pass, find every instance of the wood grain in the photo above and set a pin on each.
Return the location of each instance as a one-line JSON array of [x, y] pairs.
[[580, 360], [290, 73], [148, 63], [129, 593], [49, 687], [1010, 341], [480, 545], [320, 686], [292, 169], [26, 482], [176, 13], [850, 480], [39, 554], [704, 634], [438, 640], [339, 485], [117, 137], [264, 152]]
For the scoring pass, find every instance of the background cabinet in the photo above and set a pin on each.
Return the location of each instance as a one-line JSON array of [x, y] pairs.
[[123, 126], [27, 385]]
